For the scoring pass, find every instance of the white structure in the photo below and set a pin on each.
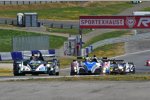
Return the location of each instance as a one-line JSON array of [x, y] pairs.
[[20, 19], [141, 13]]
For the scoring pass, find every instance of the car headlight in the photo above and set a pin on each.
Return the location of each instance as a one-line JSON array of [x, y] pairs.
[[20, 65], [48, 65], [75, 68], [111, 69], [120, 67]]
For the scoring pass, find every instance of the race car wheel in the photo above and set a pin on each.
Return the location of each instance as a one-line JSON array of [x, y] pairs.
[[57, 73], [147, 63], [133, 72], [15, 69], [82, 71], [19, 74], [52, 72], [97, 71], [73, 73], [15, 72]]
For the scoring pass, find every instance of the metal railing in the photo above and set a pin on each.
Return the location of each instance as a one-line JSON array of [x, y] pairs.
[[25, 2], [50, 24]]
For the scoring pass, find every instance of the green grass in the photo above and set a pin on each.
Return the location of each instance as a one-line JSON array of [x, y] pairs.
[[7, 35], [106, 36], [68, 31], [57, 41], [66, 11], [109, 50], [146, 9], [5, 72], [65, 62]]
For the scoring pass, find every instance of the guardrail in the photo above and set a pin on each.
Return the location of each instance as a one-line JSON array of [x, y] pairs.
[[24, 2], [47, 23]]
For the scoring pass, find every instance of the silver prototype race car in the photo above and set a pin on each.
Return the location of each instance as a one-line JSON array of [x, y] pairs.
[[118, 67], [36, 66]]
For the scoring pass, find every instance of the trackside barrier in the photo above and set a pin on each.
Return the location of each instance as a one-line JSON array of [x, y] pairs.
[[86, 51], [19, 55], [50, 24], [83, 52]]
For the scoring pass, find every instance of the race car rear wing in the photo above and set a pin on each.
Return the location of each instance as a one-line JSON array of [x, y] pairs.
[[113, 60]]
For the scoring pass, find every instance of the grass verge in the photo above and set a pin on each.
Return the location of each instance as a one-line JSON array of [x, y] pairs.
[[108, 35], [109, 50], [66, 11], [146, 9], [65, 62], [68, 31], [5, 72], [93, 78], [7, 35]]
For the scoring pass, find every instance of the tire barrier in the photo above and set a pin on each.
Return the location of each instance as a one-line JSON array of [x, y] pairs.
[[19, 55]]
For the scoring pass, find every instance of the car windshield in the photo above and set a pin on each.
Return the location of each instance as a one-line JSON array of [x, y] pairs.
[[121, 64]]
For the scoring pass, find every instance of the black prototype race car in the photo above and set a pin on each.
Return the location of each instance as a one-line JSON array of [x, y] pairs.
[[37, 66]]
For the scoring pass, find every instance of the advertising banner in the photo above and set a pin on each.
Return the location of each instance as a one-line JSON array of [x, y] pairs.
[[115, 22]]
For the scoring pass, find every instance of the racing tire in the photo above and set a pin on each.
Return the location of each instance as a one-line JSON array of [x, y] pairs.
[[16, 72], [19, 74], [133, 72], [57, 73], [82, 71], [51, 73], [73, 73], [97, 71]]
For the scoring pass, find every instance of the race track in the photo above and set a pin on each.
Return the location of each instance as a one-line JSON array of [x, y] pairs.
[[78, 90], [139, 59]]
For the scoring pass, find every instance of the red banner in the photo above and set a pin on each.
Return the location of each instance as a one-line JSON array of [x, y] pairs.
[[117, 22]]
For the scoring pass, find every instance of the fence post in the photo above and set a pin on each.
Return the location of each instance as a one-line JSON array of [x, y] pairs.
[[5, 21], [71, 26], [61, 26], [52, 25], [12, 22], [4, 2], [17, 2]]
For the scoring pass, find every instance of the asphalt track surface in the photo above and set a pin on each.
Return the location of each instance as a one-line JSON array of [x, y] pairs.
[[78, 90], [138, 58]]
